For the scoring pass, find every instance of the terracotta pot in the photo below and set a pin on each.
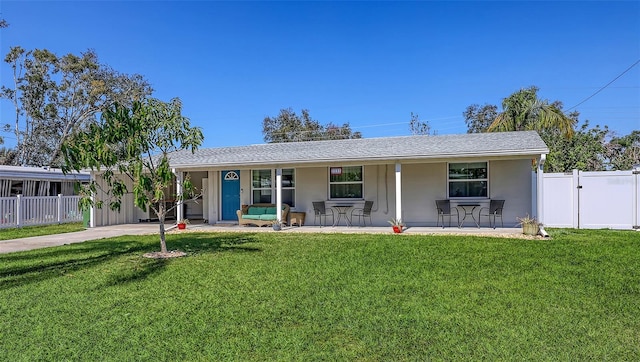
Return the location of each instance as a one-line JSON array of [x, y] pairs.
[[182, 226], [397, 229]]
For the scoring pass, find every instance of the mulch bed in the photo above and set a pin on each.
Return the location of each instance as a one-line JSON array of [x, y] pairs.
[[167, 255]]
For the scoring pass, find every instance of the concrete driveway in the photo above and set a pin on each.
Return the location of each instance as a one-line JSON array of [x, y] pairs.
[[37, 242]]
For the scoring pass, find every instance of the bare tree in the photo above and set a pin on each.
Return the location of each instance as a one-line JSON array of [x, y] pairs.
[[416, 126]]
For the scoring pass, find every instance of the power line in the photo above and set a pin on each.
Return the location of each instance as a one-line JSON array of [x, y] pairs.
[[606, 85]]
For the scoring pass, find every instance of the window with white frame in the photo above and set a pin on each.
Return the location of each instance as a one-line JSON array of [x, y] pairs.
[[468, 180], [289, 187], [261, 184], [263, 189], [346, 182]]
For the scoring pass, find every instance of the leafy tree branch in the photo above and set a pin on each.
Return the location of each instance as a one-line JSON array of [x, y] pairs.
[[571, 145], [287, 126], [135, 143], [54, 97]]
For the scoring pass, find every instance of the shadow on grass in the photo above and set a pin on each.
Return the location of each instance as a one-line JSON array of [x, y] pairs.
[[17, 269], [195, 243]]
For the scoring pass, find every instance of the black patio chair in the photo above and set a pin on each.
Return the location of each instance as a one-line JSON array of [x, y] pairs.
[[444, 209], [363, 213], [320, 210], [494, 210]]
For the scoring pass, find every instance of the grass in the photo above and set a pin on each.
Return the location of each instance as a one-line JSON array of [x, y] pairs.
[[277, 296], [28, 231]]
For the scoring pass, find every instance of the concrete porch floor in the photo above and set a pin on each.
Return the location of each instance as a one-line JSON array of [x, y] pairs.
[[342, 229], [37, 242]]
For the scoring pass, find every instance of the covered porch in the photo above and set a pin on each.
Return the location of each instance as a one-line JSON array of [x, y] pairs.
[[402, 176]]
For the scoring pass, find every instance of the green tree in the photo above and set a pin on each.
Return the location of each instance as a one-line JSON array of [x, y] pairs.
[[53, 97], [523, 110], [624, 152], [478, 118], [585, 151], [7, 156], [134, 143], [336, 132], [287, 126], [570, 147]]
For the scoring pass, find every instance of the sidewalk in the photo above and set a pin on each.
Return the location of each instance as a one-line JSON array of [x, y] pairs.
[[37, 242]]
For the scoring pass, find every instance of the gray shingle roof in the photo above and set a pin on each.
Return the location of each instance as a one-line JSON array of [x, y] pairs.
[[367, 149]]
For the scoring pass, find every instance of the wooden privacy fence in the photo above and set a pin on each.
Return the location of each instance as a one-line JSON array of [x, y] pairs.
[[592, 200], [18, 211]]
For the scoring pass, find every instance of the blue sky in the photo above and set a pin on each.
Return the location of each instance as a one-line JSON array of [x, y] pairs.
[[367, 63]]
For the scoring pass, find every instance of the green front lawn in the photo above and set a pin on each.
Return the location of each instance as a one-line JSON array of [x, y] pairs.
[[25, 232], [284, 296]]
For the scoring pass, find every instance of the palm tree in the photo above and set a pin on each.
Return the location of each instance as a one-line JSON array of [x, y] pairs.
[[524, 111]]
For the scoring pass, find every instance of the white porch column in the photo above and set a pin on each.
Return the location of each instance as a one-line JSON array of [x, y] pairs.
[[539, 203], [398, 191], [205, 198], [279, 194], [212, 216], [179, 209]]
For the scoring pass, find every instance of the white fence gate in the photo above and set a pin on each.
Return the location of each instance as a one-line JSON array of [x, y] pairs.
[[21, 210], [592, 200]]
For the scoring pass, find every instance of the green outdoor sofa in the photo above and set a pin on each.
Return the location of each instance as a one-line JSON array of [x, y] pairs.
[[261, 214]]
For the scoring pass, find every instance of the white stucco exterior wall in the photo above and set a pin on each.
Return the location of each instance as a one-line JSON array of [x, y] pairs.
[[511, 181], [312, 184], [422, 184]]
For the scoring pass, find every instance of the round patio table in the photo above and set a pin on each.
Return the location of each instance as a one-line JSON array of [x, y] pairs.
[[343, 210], [468, 209]]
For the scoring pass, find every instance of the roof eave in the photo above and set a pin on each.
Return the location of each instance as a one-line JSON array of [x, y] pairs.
[[391, 158]]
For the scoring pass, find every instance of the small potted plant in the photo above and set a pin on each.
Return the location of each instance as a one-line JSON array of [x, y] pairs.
[[182, 224], [277, 225], [530, 226], [397, 225]]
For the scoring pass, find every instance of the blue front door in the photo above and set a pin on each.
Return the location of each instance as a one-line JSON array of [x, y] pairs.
[[230, 194]]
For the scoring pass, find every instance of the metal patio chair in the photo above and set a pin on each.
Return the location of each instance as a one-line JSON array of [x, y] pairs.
[[494, 210], [444, 209], [320, 210], [363, 213]]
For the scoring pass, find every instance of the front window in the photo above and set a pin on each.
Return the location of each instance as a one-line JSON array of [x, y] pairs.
[[261, 186], [468, 179], [263, 189], [346, 182], [289, 187]]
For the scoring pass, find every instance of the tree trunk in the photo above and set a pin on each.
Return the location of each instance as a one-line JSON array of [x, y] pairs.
[[163, 243], [161, 217]]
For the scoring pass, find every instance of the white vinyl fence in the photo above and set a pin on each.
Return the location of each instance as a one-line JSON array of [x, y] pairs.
[[21, 210], [592, 200]]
